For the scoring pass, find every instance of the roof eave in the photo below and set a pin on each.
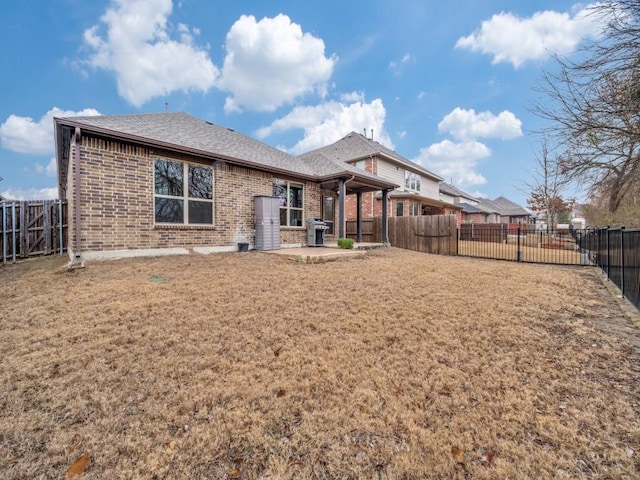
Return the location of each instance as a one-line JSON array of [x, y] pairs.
[[180, 148]]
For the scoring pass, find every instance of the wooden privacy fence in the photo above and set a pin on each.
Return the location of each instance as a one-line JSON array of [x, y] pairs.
[[33, 227], [428, 233]]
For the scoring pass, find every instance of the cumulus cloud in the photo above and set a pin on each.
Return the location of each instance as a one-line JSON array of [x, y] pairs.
[[455, 160], [30, 193], [134, 42], [271, 62], [328, 122], [50, 169], [24, 135], [516, 40], [467, 124]]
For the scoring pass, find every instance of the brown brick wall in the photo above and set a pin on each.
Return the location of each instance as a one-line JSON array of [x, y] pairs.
[[117, 206]]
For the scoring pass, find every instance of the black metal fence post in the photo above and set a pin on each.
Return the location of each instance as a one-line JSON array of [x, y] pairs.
[[608, 253], [518, 252], [622, 227]]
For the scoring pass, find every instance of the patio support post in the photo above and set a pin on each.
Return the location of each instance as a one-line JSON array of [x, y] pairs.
[[342, 195], [359, 216], [385, 197]]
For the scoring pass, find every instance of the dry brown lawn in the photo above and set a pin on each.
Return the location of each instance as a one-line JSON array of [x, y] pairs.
[[398, 365]]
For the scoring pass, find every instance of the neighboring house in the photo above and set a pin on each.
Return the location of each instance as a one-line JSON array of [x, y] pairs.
[[500, 210], [511, 212], [170, 183], [482, 212], [451, 194], [418, 189]]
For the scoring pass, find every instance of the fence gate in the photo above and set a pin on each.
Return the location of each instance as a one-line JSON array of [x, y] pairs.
[[34, 227]]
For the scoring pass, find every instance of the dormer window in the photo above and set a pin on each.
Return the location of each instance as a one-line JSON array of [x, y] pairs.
[[411, 181]]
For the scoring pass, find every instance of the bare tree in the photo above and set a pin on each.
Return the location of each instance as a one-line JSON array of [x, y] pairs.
[[593, 106], [545, 188]]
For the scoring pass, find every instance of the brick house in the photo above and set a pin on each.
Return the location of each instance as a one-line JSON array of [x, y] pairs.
[[417, 193], [169, 183]]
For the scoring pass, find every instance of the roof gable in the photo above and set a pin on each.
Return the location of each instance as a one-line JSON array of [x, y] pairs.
[[355, 146]]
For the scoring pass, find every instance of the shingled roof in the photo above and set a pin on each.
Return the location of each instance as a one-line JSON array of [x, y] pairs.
[[355, 146], [178, 131], [509, 208], [449, 189]]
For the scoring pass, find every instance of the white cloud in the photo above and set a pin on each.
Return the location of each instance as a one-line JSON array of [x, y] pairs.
[[24, 135], [352, 97], [395, 65], [51, 169], [421, 95], [457, 161], [513, 39], [330, 121], [138, 48], [30, 193], [467, 124], [271, 63]]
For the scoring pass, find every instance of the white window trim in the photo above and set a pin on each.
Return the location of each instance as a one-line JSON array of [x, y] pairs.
[[412, 181], [185, 198]]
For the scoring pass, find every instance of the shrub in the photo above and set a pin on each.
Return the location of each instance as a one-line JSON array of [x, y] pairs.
[[345, 242]]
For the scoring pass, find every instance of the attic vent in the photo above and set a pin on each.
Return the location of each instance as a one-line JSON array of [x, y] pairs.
[[208, 122], [230, 129]]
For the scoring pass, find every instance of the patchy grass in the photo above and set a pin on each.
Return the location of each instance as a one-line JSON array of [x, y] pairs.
[[396, 365]]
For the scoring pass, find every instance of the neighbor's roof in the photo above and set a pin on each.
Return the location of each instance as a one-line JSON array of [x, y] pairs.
[[455, 192], [510, 208], [416, 197], [468, 208], [356, 146], [183, 132]]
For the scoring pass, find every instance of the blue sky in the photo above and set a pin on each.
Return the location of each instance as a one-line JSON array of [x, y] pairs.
[[446, 84]]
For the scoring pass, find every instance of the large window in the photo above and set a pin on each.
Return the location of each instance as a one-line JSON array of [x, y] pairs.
[[414, 209], [411, 181], [183, 193], [291, 197], [399, 208]]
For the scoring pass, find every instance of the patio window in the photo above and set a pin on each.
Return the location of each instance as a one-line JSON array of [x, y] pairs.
[[414, 209], [183, 193], [399, 208], [291, 201]]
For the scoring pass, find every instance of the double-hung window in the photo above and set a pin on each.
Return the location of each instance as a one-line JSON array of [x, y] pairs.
[[183, 193], [291, 199], [411, 181]]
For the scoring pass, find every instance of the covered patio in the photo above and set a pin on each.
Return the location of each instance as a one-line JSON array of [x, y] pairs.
[[356, 184]]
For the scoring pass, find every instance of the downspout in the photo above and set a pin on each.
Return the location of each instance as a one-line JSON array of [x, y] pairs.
[[77, 138]]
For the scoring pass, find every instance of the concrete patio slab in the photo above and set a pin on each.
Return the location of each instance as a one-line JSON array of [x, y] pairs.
[[324, 254]]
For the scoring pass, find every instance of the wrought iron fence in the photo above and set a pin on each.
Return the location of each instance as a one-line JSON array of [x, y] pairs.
[[617, 253], [523, 244]]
